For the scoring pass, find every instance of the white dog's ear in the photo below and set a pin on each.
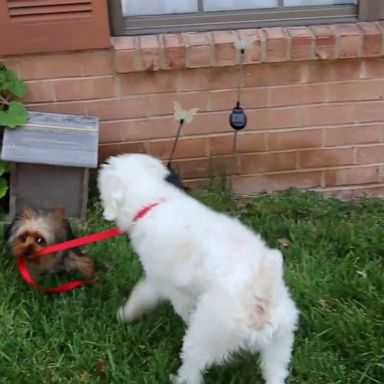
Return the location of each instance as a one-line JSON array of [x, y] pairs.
[[111, 191]]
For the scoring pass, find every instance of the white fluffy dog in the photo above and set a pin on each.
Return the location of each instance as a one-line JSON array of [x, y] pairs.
[[220, 276]]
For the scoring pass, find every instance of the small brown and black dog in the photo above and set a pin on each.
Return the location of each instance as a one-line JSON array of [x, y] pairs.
[[31, 231]]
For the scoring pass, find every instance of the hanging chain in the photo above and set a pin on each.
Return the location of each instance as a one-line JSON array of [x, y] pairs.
[[238, 119]]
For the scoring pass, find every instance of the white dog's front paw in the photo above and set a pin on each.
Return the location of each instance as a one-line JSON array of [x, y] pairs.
[[120, 315]]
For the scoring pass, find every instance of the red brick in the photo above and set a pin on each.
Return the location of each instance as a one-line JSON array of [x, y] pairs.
[[325, 42], [226, 100], [354, 192], [141, 129], [126, 56], [250, 142], [207, 79], [51, 66], [276, 44], [372, 154], [224, 48], [146, 83], [319, 158], [207, 123], [358, 90], [267, 162], [246, 143], [294, 139], [71, 108], [192, 169], [223, 166], [119, 109], [273, 118], [298, 94], [372, 39], [329, 71], [105, 151], [349, 40], [150, 52], [327, 114], [126, 61], [174, 51], [163, 104], [196, 183], [124, 42], [363, 134], [199, 49], [97, 63], [373, 68], [110, 132], [276, 182], [11, 64], [38, 91], [351, 176], [253, 45], [373, 111], [271, 74], [302, 43], [186, 148], [83, 88]]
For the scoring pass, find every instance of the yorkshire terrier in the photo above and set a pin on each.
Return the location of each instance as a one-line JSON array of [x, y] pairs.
[[31, 231]]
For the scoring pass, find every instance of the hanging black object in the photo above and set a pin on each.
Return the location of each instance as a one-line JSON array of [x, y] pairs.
[[173, 176], [238, 118]]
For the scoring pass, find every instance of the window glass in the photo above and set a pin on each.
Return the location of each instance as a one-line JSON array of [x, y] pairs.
[[161, 7], [157, 7], [226, 5], [292, 3]]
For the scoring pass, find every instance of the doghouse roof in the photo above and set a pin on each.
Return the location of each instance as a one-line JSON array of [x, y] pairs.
[[54, 139]]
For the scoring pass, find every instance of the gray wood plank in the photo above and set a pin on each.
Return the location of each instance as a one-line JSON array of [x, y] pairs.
[[54, 139]]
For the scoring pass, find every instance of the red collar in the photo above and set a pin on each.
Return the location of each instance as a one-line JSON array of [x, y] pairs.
[[23, 269]]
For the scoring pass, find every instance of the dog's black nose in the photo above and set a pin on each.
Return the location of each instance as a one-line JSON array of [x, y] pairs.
[[29, 250]]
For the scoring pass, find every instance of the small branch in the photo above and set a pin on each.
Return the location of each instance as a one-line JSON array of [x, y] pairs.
[[3, 100]]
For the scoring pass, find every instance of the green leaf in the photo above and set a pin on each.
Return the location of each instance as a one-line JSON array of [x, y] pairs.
[[11, 83], [3, 187], [3, 168], [16, 115]]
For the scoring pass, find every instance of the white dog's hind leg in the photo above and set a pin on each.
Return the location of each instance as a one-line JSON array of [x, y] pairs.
[[211, 337], [275, 357], [143, 297]]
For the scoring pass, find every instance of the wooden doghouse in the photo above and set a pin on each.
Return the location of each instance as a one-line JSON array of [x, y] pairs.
[[51, 156]]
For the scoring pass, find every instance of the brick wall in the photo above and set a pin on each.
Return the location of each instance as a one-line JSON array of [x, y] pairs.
[[314, 100]]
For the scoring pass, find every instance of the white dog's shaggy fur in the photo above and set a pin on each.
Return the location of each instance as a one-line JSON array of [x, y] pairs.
[[220, 276]]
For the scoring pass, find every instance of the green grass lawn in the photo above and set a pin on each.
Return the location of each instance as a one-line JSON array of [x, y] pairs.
[[334, 265]]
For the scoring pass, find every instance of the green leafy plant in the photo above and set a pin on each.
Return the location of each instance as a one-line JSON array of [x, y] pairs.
[[12, 112]]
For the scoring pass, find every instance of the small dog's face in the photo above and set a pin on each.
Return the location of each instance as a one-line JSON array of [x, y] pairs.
[[31, 231], [29, 234], [27, 244]]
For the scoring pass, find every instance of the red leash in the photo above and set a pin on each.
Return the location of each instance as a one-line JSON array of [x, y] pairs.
[[23, 269]]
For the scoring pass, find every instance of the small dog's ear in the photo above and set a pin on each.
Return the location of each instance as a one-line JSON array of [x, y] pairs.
[[27, 213]]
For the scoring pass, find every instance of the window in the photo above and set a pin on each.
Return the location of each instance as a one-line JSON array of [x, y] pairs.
[[130, 17]]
